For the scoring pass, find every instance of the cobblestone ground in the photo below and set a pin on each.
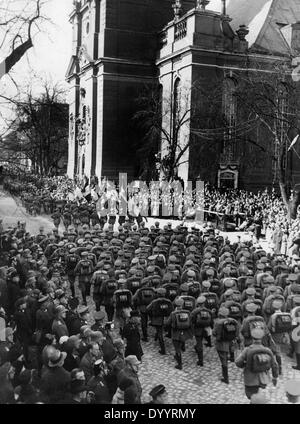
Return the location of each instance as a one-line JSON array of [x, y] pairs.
[[193, 384]]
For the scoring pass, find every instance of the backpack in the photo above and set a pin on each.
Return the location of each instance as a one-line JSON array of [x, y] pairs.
[[235, 310], [203, 319], [182, 320], [147, 295], [189, 303], [111, 287], [283, 323], [229, 330], [163, 308], [211, 301], [194, 289], [86, 268], [122, 299], [259, 360]]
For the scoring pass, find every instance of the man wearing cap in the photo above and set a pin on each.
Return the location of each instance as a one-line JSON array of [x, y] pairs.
[[130, 371], [202, 324], [226, 331], [71, 262], [257, 360], [180, 323], [89, 358], [55, 379], [59, 327], [98, 384], [159, 395], [84, 272], [99, 317], [158, 310], [132, 335]]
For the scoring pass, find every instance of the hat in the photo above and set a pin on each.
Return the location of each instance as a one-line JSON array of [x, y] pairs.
[[259, 399], [157, 390], [201, 299], [184, 287], [132, 359], [228, 282], [99, 315], [83, 310], [269, 279], [228, 292], [57, 359], [179, 302], [277, 304], [292, 277], [292, 387], [63, 339], [161, 291], [257, 333], [251, 307], [224, 312], [260, 266], [191, 273], [72, 342], [206, 284], [251, 291]]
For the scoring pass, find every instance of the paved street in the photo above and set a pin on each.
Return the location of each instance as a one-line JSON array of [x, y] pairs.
[[191, 385]]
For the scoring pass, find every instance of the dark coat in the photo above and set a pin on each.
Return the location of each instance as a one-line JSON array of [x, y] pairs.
[[135, 389], [98, 385], [222, 345], [251, 378], [71, 362], [178, 335], [132, 335], [24, 325], [55, 383], [59, 328]]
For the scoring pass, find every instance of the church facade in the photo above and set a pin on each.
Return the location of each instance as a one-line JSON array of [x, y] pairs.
[[122, 46]]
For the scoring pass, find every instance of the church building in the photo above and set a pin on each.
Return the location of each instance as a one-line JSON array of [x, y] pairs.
[[122, 46]]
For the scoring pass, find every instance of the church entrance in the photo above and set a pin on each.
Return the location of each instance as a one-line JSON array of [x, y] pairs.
[[228, 179]]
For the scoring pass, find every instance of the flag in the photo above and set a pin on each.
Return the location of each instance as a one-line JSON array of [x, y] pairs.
[[293, 142]]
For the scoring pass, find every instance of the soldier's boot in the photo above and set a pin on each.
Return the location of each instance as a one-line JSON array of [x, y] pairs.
[[208, 341], [297, 367], [290, 354], [84, 299], [179, 362], [231, 356], [145, 335], [278, 359], [200, 359], [225, 375], [72, 291], [162, 350], [156, 336], [183, 347]]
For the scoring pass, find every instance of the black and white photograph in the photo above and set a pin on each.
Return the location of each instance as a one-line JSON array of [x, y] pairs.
[[150, 205]]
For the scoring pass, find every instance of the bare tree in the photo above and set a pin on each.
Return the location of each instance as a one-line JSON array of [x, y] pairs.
[[19, 21], [172, 124], [39, 131], [271, 98]]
